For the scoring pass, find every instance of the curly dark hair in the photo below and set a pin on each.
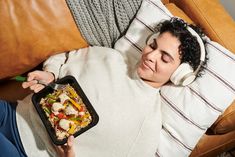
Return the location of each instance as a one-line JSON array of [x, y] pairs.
[[189, 48]]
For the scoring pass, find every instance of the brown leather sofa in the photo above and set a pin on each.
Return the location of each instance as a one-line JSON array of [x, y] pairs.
[[31, 31]]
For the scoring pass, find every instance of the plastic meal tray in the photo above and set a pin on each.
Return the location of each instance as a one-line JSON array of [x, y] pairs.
[[42, 94]]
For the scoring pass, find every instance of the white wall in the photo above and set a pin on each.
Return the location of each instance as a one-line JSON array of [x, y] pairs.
[[229, 5]]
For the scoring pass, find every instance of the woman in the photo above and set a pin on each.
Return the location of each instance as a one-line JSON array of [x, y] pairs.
[[125, 95]]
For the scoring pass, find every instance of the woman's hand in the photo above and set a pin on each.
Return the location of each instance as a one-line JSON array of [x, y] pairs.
[[36, 76], [66, 150]]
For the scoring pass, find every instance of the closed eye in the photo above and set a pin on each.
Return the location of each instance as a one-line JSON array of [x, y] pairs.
[[166, 57]]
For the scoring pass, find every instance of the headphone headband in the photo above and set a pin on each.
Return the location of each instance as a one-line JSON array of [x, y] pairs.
[[200, 42]]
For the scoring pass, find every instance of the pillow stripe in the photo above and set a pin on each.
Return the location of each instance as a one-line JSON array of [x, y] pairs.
[[222, 52], [176, 139], [221, 79], [179, 112], [138, 48], [204, 99], [157, 154], [147, 26], [157, 5], [134, 43]]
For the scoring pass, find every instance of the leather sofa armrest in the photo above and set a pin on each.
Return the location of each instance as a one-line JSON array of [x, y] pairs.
[[226, 122], [212, 18], [165, 1], [209, 146], [31, 31]]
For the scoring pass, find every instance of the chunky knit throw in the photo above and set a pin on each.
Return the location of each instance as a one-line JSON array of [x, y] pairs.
[[102, 22]]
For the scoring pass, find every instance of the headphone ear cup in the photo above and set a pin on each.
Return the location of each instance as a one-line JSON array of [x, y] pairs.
[[183, 75]]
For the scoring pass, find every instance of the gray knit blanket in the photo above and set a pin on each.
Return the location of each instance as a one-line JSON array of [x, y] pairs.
[[102, 22]]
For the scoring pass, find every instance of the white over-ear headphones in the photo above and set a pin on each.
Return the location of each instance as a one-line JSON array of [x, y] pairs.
[[184, 74]]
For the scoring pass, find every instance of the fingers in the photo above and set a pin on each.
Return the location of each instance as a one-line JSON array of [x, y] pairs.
[[36, 88], [60, 151], [66, 150], [32, 81], [29, 83], [33, 85]]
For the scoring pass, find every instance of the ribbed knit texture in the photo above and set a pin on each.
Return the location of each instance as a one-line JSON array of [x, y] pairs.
[[102, 22]]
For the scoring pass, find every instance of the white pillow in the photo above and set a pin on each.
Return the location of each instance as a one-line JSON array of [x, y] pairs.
[[187, 112]]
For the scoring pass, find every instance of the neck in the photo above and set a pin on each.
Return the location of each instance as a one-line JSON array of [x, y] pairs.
[[151, 83]]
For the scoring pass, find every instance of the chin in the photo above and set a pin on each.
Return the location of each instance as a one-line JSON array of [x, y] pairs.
[[142, 74]]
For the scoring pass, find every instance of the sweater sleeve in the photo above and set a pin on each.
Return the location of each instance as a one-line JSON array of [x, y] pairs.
[[54, 63]]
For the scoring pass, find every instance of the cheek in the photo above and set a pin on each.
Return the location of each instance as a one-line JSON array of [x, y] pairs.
[[173, 69], [167, 70]]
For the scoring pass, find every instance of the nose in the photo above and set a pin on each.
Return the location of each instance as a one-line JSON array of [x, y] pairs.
[[153, 56]]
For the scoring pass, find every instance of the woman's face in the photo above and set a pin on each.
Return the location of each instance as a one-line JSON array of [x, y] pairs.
[[159, 60]]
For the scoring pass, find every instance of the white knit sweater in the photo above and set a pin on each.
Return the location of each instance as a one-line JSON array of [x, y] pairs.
[[128, 109]]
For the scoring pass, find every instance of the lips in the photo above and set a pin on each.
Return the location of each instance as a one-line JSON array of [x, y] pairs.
[[147, 66]]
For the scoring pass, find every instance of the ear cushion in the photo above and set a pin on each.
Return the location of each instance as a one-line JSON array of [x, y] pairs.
[[183, 75]]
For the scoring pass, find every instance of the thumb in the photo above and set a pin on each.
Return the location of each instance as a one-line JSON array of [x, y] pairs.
[[32, 75], [70, 150], [70, 142]]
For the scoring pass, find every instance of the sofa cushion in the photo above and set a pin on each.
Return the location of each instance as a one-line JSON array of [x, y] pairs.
[[31, 31], [187, 112]]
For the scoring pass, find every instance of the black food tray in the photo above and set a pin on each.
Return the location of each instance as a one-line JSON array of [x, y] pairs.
[[43, 93]]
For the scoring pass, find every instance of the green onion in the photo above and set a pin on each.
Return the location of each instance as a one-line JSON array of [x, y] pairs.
[[75, 118], [20, 78], [51, 96], [51, 101], [47, 110]]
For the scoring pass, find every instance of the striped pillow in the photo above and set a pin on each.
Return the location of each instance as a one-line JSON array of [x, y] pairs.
[[187, 112]]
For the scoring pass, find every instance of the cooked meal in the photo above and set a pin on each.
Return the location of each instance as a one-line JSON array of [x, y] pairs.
[[66, 111]]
